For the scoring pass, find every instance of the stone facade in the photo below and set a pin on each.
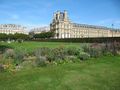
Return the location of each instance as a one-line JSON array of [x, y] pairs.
[[12, 29], [64, 28], [40, 29]]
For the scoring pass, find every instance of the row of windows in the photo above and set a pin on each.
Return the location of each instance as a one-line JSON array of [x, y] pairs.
[[11, 30], [10, 25], [67, 35], [93, 26]]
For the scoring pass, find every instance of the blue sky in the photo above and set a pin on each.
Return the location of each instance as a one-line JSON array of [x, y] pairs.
[[40, 12]]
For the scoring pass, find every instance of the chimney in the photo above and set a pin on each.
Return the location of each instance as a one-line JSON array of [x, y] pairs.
[[58, 15], [54, 16], [65, 15]]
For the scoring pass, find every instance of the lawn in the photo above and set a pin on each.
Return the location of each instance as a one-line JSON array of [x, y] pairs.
[[30, 46], [94, 74]]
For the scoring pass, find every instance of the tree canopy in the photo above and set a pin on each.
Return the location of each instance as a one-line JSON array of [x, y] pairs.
[[13, 36], [44, 35]]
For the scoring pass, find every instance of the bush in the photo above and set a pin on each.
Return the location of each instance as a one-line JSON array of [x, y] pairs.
[[113, 47], [59, 53], [41, 56], [19, 56], [95, 50], [108, 54], [9, 53], [42, 51], [71, 58], [86, 48], [60, 62], [73, 51], [51, 57], [84, 56], [3, 48], [9, 67], [1, 68], [40, 61], [20, 40]]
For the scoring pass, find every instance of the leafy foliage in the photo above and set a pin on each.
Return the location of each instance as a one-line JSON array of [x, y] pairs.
[[44, 35], [3, 36], [19, 56], [43, 51], [84, 56], [3, 48], [73, 51], [15, 36], [9, 53], [40, 61], [1, 68], [20, 36]]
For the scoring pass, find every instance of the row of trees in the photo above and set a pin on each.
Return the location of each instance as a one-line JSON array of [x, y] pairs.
[[44, 35], [25, 36], [13, 36]]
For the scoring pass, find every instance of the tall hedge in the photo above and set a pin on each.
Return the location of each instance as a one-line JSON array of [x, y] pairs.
[[82, 40]]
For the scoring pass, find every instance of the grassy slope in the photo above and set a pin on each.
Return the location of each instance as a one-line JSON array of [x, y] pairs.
[[96, 74]]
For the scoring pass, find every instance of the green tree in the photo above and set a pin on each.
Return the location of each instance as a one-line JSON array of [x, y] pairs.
[[44, 35], [21, 36], [3, 36]]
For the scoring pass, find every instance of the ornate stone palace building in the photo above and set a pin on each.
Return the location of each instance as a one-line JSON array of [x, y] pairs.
[[64, 28], [12, 29]]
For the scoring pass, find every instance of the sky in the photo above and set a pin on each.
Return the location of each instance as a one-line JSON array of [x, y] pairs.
[[37, 13]]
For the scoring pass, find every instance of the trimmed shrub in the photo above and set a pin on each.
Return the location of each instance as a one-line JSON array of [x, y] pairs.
[[79, 40]]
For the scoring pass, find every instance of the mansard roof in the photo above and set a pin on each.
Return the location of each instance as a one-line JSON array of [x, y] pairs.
[[93, 26]]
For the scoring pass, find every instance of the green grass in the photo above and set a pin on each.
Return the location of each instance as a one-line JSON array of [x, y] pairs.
[[94, 74], [30, 46]]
